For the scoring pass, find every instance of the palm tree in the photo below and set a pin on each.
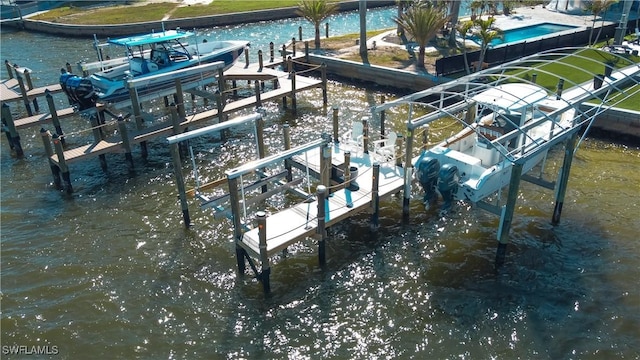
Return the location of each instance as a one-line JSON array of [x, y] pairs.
[[596, 7], [463, 28], [316, 11], [486, 32], [362, 9], [454, 14], [422, 23]]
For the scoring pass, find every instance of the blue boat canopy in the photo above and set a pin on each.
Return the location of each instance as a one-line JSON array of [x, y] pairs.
[[152, 38]]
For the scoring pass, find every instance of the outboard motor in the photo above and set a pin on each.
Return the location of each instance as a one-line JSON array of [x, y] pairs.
[[448, 184], [79, 90], [427, 175], [64, 76]]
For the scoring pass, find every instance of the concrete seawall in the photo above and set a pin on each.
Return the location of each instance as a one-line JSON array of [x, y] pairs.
[[408, 81], [70, 30]]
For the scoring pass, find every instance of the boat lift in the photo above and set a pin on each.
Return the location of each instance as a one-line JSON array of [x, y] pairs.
[[454, 100]]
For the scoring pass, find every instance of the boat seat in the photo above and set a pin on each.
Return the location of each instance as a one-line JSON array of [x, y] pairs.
[[140, 66]]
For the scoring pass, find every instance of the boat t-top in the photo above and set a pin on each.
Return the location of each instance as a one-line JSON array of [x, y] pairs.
[[143, 56]]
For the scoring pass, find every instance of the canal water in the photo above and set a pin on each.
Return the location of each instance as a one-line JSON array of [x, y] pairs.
[[111, 272]]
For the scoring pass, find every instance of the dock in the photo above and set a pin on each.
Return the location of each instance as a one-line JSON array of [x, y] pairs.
[[298, 222], [285, 82]]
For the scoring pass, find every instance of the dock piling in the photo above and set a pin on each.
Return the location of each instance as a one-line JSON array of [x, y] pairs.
[[23, 92], [265, 272], [14, 137], [62, 164], [124, 134], [375, 198], [506, 218], [563, 178], [336, 136], [97, 137], [55, 171], [7, 64], [321, 231], [287, 145], [54, 115], [177, 166], [383, 116], [323, 75]]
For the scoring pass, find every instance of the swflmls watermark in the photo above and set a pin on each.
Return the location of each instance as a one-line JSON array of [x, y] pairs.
[[30, 350]]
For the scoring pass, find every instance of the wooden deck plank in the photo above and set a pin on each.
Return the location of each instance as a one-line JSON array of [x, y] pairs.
[[89, 151], [39, 119]]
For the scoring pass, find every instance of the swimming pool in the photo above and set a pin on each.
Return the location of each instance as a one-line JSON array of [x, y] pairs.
[[528, 32]]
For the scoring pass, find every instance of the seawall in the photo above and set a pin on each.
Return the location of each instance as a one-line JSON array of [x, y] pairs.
[[71, 30]]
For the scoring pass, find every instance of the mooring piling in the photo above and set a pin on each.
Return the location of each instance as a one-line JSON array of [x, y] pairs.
[[563, 177], [55, 171], [375, 198], [14, 141], [54, 115], [62, 164], [124, 135], [506, 218]]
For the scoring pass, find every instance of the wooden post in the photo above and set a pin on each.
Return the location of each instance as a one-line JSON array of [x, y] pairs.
[[287, 145], [325, 165], [408, 166], [175, 120], [563, 178], [383, 116], [55, 171], [293, 92], [300, 33], [7, 64], [306, 51], [257, 90], [180, 100], [534, 77], [27, 78], [289, 64], [124, 134], [54, 115], [559, 89], [14, 142], [62, 164], [177, 166], [375, 198], [293, 46], [97, 137], [365, 134], [222, 96], [137, 113], [326, 30], [321, 231], [23, 92], [246, 57], [271, 51], [323, 74], [261, 217], [260, 63], [507, 214], [336, 136], [284, 53]]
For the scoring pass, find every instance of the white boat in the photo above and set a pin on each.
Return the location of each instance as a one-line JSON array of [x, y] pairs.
[[508, 122], [477, 161], [144, 56]]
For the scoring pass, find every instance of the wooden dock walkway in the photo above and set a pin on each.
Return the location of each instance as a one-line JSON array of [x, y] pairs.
[[296, 223]]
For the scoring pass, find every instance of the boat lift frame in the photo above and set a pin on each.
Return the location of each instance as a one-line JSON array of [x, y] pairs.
[[453, 100]]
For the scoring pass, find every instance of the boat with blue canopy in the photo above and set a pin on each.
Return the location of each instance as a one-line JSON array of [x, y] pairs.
[[145, 55]]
